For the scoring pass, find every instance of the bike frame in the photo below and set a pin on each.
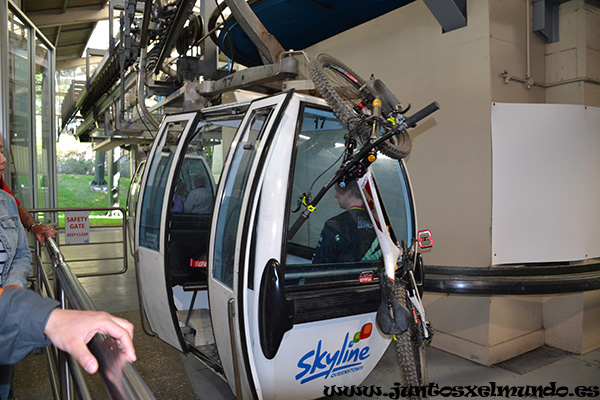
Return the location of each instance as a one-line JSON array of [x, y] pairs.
[[357, 166], [390, 250]]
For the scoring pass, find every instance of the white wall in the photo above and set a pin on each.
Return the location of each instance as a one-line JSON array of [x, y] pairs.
[[451, 162], [546, 187], [509, 52], [450, 165]]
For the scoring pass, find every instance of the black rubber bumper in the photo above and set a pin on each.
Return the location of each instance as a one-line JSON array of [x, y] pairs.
[[513, 280]]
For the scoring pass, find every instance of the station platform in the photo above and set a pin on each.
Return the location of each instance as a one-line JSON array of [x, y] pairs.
[[172, 375]]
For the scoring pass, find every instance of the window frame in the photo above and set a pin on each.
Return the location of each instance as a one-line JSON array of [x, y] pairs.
[[358, 268]]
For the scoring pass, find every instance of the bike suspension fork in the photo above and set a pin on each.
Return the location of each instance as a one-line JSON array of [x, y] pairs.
[[415, 299]]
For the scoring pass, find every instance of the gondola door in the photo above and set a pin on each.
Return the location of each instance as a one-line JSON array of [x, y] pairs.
[[286, 326], [151, 228], [228, 266]]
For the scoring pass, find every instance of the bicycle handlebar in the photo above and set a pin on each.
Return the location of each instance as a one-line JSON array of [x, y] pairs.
[[411, 121]]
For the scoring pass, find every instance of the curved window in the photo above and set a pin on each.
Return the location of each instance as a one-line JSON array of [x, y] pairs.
[[150, 216], [394, 190], [232, 197], [192, 198], [337, 242]]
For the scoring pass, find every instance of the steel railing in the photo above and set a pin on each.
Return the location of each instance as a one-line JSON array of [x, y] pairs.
[[121, 379]]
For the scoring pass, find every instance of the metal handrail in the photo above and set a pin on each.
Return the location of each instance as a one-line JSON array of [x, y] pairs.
[[121, 379], [552, 278], [35, 211]]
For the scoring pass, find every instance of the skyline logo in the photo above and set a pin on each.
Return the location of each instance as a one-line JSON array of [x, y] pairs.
[[320, 363]]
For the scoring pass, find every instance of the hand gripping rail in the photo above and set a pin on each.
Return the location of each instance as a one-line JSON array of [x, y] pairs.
[[121, 379]]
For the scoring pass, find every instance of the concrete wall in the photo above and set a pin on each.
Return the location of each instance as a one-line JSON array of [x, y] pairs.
[[451, 162], [509, 52], [450, 165], [576, 56], [572, 322]]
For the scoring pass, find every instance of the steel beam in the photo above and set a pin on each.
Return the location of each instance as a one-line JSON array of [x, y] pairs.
[[268, 46], [287, 68], [451, 14]]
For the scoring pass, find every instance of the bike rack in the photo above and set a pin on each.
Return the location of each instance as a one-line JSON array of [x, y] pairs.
[[524, 279]]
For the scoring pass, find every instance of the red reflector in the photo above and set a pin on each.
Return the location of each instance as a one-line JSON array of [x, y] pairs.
[[366, 276]]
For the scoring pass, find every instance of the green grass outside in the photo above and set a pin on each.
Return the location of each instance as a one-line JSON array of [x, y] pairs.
[[74, 191]]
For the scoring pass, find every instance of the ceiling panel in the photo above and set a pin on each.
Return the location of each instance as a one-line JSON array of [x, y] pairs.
[[67, 24]]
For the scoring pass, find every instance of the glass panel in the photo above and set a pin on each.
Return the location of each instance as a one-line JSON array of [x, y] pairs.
[[192, 201], [132, 201], [395, 195], [157, 184], [337, 242], [201, 167], [43, 124], [19, 89], [320, 147], [194, 190], [233, 194]]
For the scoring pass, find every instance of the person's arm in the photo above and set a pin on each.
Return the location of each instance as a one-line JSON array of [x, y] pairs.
[[23, 315], [190, 202], [20, 265], [40, 231], [28, 321]]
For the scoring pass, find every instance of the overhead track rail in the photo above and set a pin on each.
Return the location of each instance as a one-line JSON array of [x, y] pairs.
[[256, 34]]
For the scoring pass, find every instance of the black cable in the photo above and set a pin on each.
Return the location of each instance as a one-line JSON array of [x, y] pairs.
[[323, 173], [148, 129], [143, 97]]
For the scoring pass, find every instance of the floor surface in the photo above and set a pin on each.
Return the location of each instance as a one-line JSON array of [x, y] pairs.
[[171, 375]]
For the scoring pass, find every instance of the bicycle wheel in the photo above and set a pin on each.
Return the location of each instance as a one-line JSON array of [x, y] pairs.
[[344, 90], [410, 349]]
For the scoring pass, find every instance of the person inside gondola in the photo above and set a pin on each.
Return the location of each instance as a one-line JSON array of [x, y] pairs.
[[199, 200], [349, 236], [178, 197]]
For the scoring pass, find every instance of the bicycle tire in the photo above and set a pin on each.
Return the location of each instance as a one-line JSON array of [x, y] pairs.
[[410, 350], [341, 87]]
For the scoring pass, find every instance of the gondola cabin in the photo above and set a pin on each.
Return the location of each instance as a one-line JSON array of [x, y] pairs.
[[219, 276]]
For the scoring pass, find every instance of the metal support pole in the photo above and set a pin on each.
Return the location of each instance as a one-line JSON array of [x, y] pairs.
[[113, 177], [99, 180]]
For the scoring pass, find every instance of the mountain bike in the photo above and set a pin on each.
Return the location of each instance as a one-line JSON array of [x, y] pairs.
[[376, 123]]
